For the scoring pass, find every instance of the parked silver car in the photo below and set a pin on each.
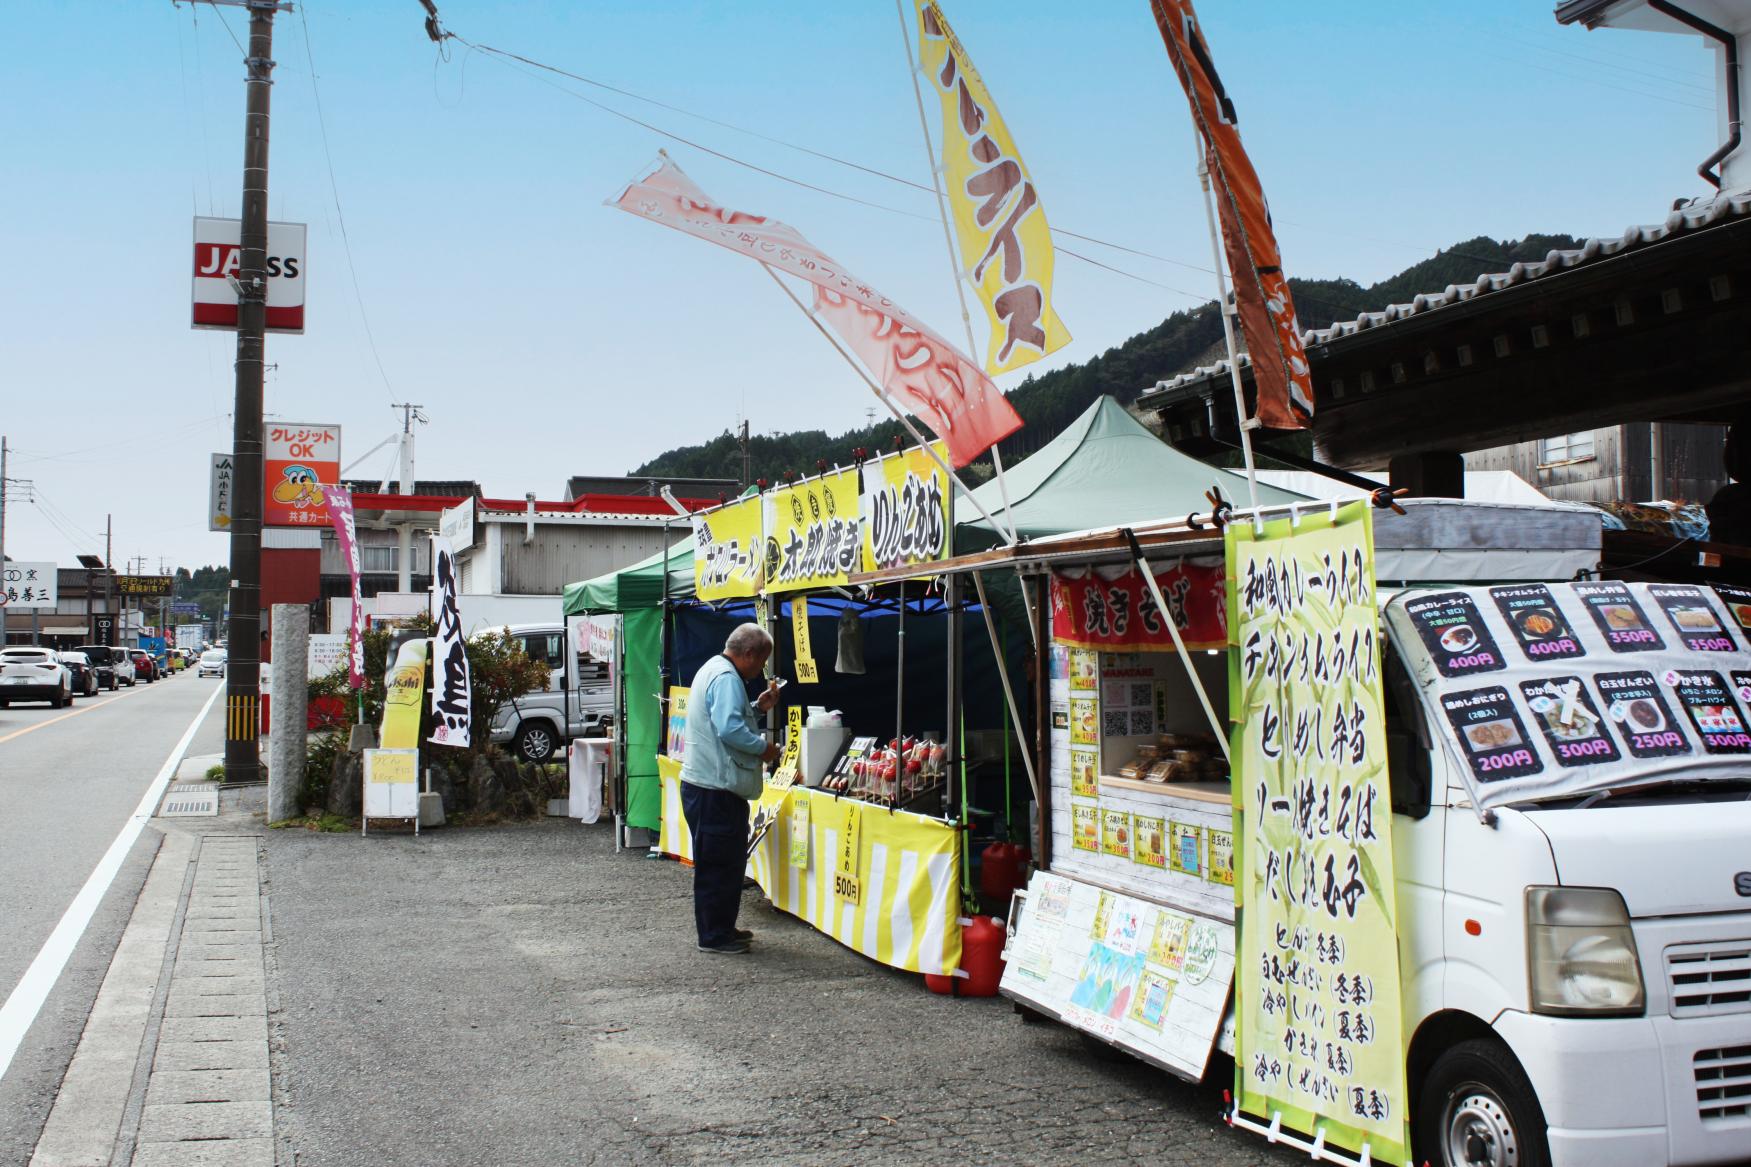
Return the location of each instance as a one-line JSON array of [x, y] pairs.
[[535, 724], [34, 674]]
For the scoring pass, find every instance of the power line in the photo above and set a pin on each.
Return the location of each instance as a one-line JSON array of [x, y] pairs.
[[334, 190]]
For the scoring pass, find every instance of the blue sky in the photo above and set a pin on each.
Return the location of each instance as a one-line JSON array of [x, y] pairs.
[[548, 335]]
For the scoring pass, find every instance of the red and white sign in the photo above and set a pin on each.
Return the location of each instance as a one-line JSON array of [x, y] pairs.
[[298, 460], [1114, 611], [218, 257]]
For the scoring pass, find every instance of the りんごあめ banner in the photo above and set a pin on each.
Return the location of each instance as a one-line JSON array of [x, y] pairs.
[[918, 369], [729, 550], [812, 532], [1261, 291], [1115, 612], [908, 510], [1317, 1003], [1000, 224]]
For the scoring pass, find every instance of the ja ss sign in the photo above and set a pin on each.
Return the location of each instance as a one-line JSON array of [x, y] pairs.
[[218, 259]]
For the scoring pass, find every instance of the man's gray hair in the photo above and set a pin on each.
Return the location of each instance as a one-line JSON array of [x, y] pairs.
[[749, 640]]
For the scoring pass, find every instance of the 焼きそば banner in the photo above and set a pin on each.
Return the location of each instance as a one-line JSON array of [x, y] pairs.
[[1115, 612], [1317, 1017], [908, 510], [729, 550], [812, 530]]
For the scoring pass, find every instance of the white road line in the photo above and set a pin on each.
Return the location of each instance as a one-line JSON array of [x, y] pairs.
[[26, 1000]]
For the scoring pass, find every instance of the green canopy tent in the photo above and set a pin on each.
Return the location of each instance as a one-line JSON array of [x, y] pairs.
[[636, 593], [1105, 469]]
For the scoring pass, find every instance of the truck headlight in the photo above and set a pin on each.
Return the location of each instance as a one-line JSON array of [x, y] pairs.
[[1581, 953]]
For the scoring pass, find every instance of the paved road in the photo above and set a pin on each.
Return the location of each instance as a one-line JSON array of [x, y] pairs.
[[522, 995], [69, 781]]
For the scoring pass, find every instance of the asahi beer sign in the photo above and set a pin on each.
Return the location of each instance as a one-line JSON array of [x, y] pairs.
[[218, 263]]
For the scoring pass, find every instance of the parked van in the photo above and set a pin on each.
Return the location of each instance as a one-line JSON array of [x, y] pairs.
[[115, 666], [538, 725], [1568, 762]]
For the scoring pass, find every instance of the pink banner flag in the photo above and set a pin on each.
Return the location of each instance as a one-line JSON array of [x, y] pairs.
[[340, 512], [921, 371]]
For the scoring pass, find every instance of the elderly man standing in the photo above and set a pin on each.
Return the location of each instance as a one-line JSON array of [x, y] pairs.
[[720, 775]]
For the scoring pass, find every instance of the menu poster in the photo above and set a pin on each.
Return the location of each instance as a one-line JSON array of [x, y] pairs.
[[1742, 685], [1185, 847], [1538, 624], [1490, 729], [1695, 621], [1634, 702], [1455, 634], [1621, 620], [1115, 833], [1220, 846], [1084, 668], [1738, 603], [1571, 724], [1085, 827], [1712, 711], [1085, 721], [1084, 773], [1151, 848]]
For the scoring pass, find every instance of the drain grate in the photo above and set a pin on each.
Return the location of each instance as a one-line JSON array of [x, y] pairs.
[[189, 801]]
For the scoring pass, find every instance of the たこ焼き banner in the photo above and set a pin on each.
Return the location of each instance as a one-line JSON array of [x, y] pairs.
[[1317, 1011], [1113, 610], [729, 550], [812, 532], [908, 510]]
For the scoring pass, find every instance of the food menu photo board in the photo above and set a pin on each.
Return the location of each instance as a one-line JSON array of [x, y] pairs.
[[1458, 642], [1593, 684]]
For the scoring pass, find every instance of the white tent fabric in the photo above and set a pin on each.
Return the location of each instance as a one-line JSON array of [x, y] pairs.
[[1480, 486]]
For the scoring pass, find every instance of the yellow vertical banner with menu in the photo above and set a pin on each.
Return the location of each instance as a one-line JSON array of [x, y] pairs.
[[1000, 224], [812, 532], [402, 700], [908, 509], [1317, 1010], [806, 671]]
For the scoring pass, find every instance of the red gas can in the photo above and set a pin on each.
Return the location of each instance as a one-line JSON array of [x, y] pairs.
[[1002, 869], [981, 959]]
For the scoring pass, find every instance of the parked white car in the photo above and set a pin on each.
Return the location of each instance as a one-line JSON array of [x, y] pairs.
[[34, 674], [212, 663]]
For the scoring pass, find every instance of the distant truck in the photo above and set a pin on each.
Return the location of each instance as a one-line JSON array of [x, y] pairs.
[[191, 636]]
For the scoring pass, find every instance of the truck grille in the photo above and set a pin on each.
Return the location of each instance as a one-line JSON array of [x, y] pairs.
[[1706, 979], [1723, 1083]]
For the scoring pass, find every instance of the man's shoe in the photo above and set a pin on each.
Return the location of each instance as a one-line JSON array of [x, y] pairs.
[[728, 948], [743, 935]]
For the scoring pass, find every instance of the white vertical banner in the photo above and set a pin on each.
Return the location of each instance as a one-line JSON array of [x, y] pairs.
[[452, 694]]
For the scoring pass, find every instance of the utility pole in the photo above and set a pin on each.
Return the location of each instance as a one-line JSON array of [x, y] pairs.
[[410, 413], [243, 675]]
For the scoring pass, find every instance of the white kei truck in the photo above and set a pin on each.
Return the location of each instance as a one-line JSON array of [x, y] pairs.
[[1570, 774]]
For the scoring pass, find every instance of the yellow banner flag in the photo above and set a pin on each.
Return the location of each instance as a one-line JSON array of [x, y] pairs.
[[1006, 246]]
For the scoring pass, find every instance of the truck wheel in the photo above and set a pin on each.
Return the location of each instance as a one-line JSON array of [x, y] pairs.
[[535, 742], [1477, 1109]]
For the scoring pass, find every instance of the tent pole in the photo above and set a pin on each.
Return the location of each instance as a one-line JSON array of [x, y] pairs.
[[905, 422], [1003, 675], [953, 739], [954, 265], [1241, 419], [900, 696], [1179, 643]]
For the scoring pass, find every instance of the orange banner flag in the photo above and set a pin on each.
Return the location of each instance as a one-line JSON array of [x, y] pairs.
[[1261, 292]]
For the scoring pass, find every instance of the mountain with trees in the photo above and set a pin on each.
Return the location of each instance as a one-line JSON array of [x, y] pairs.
[[1050, 401]]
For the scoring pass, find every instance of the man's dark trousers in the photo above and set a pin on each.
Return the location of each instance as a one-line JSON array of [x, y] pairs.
[[718, 822]]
